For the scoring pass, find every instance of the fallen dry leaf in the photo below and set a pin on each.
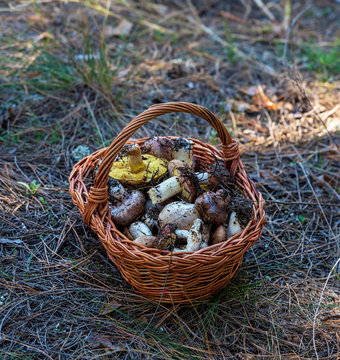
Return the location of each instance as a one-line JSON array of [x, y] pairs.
[[261, 100]]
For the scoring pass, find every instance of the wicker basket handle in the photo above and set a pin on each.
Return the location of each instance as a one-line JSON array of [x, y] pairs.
[[98, 193]]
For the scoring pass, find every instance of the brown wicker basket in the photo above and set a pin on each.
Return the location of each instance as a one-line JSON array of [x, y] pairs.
[[161, 275]]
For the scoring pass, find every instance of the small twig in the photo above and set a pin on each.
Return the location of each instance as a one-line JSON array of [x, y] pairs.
[[291, 27], [264, 9]]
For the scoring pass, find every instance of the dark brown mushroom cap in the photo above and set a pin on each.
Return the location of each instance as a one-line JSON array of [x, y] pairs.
[[129, 209], [213, 207], [166, 239], [159, 146]]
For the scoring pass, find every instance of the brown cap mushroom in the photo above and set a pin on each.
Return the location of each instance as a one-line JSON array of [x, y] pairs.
[[173, 165], [159, 146], [129, 208], [214, 207]]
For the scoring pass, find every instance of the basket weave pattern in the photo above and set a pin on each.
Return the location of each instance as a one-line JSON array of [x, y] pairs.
[[159, 274]]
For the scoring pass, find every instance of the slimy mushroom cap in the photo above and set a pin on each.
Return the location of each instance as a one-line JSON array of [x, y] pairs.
[[135, 168]]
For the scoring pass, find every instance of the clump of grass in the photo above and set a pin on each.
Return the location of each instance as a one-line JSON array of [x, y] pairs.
[[323, 61]]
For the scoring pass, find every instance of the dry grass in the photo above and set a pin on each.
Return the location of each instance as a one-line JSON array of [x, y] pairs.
[[66, 81]]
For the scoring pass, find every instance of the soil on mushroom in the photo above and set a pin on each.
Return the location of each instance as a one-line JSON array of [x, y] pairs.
[[243, 208]]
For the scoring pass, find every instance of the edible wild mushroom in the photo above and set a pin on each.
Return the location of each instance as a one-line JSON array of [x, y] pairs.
[[185, 183], [138, 229], [182, 150], [128, 209], [135, 169], [165, 240], [194, 239], [180, 214], [213, 207], [159, 146]]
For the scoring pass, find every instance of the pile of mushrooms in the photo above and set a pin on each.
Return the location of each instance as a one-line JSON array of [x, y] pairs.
[[160, 197]]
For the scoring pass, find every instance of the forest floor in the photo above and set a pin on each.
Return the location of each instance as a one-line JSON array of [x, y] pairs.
[[74, 73]]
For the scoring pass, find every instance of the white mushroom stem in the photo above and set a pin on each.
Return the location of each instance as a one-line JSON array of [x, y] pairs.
[[138, 229], [234, 226], [169, 188], [194, 240], [165, 190], [195, 236]]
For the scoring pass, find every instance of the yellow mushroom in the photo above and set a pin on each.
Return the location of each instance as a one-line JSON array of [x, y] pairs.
[[136, 168]]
